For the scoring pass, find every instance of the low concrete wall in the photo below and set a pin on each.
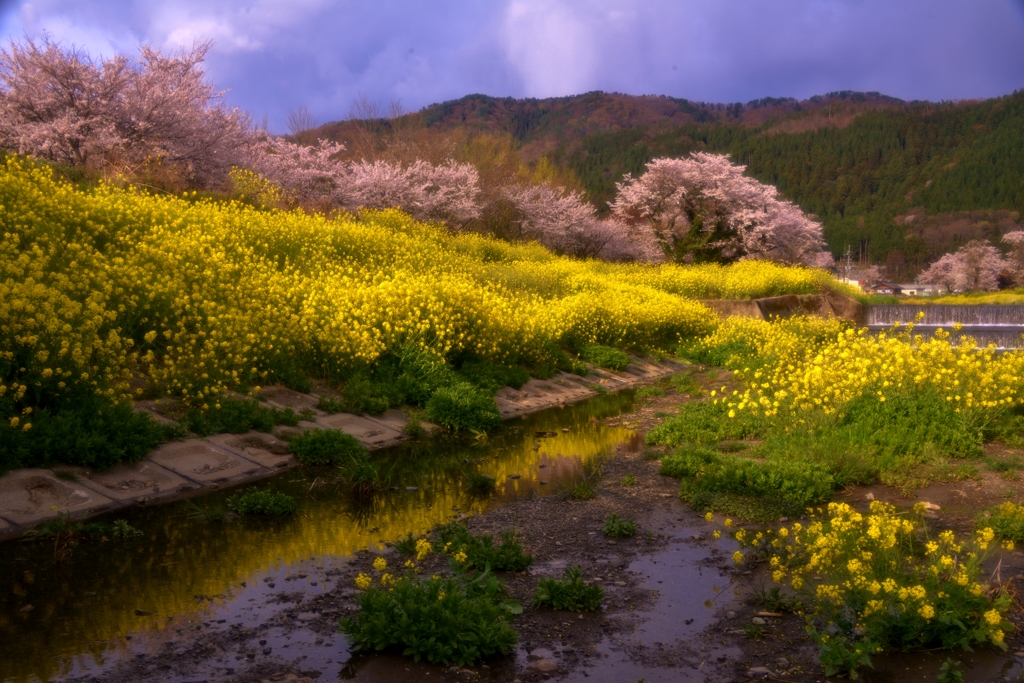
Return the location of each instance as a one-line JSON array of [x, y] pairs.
[[181, 469], [766, 308]]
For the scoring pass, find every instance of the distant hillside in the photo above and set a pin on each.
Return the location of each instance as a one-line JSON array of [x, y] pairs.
[[898, 182]]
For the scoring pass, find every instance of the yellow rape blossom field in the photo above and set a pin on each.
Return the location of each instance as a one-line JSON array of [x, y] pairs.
[[108, 292]]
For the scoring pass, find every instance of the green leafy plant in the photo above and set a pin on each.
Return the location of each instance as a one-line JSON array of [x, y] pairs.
[[481, 552], [648, 392], [261, 502], [569, 593], [490, 377], [330, 404], [774, 600], [458, 620], [604, 357], [122, 529], [406, 545], [684, 384], [236, 416], [481, 484], [326, 447], [704, 424], [205, 512], [463, 406], [616, 527], [1006, 519], [583, 490], [879, 587], [629, 479], [950, 672]]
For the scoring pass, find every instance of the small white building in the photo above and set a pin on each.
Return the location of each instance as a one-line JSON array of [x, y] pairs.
[[923, 290]]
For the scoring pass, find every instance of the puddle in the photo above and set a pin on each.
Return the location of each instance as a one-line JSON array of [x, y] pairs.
[[689, 591], [115, 599], [985, 665]]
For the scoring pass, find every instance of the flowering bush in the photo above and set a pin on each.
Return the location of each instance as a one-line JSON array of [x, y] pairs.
[[873, 585]]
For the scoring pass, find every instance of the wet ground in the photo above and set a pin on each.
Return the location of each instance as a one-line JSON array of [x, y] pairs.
[[194, 601]]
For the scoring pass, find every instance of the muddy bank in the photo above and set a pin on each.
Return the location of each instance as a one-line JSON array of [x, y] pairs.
[[192, 467]]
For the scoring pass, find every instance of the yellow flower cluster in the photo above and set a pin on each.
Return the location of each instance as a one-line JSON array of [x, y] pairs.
[[866, 574], [815, 364]]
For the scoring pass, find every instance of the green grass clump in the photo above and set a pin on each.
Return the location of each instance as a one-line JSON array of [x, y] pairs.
[[748, 488], [569, 594], [481, 484], [327, 447], [481, 552], [489, 377], [331, 404], [237, 416], [583, 490], [685, 384], [1006, 519], [463, 406], [604, 357], [458, 620], [260, 502], [704, 423], [93, 433], [406, 545], [616, 527], [629, 479], [648, 392]]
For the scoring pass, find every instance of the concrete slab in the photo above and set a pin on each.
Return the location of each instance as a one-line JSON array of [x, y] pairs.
[[283, 397], [139, 481], [202, 462], [397, 420], [266, 449], [28, 497], [371, 434]]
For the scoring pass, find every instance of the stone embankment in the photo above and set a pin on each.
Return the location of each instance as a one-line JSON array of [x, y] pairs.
[[193, 466]]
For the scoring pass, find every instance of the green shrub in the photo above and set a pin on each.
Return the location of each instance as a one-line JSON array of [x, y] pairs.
[[331, 404], [684, 384], [583, 490], [481, 552], [704, 423], [481, 484], [93, 433], [327, 447], [489, 377], [463, 406], [237, 416], [368, 395], [648, 392], [568, 594], [616, 527], [458, 620], [754, 490], [1006, 519], [259, 502], [604, 357], [729, 355], [571, 364]]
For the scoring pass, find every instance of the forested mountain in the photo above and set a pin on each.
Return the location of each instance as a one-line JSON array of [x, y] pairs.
[[899, 183]]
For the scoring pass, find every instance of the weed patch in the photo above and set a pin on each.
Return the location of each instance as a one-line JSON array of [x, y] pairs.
[[481, 552], [261, 502], [458, 620], [604, 357], [616, 527], [569, 593], [1006, 520], [704, 423], [463, 406], [237, 416], [327, 447]]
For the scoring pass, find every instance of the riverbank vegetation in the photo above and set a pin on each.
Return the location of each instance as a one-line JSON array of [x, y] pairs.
[[822, 406], [111, 294]]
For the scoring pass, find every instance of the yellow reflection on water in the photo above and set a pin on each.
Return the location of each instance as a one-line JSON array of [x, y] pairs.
[[181, 564]]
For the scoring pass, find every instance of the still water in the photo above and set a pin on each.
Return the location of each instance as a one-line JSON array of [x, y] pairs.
[[82, 610]]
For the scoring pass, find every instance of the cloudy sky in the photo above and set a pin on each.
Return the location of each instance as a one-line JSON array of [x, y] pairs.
[[274, 55]]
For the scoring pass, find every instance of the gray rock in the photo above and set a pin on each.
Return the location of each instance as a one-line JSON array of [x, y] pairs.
[[730, 615], [758, 671], [782, 663], [758, 620], [543, 666]]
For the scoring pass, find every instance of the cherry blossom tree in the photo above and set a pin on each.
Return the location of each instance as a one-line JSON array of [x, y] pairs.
[[703, 208], [567, 224], [976, 266], [1015, 259], [59, 104]]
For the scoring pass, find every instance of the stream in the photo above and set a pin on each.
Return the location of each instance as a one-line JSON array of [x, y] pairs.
[[113, 598]]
